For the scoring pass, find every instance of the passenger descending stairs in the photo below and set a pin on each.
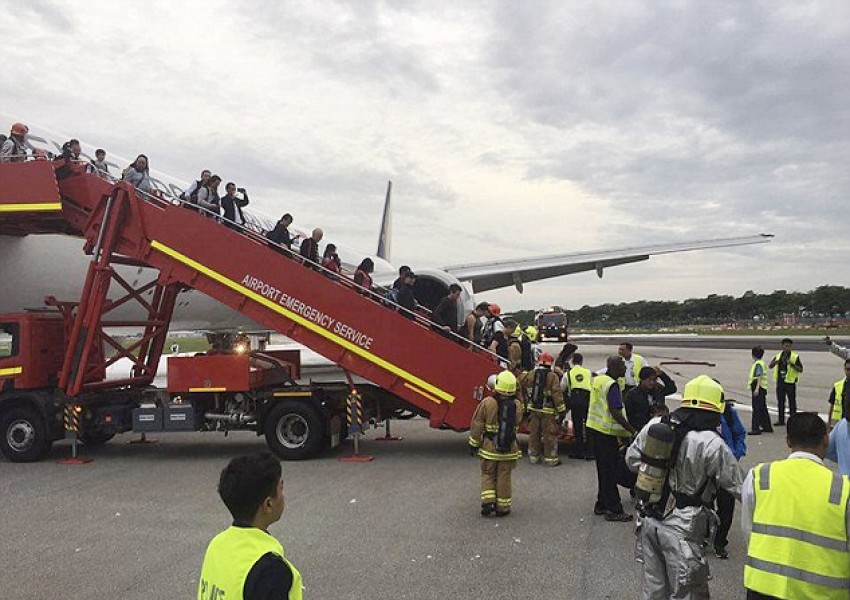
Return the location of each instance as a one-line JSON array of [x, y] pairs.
[[358, 332]]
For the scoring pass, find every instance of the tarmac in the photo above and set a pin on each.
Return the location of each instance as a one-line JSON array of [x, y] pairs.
[[134, 523]]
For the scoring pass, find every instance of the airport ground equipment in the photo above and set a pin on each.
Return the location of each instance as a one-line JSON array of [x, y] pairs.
[[57, 358], [552, 323]]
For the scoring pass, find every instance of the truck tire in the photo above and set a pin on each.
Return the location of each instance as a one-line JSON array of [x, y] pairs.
[[23, 434], [94, 440], [295, 431]]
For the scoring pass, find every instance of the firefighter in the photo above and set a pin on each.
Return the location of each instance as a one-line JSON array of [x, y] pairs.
[[493, 433], [534, 338], [674, 530], [546, 410], [520, 351]]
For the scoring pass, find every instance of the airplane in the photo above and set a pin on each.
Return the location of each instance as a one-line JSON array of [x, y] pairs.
[[51, 264]]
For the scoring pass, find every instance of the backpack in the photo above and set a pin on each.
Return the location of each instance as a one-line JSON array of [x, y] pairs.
[[682, 422], [526, 362], [506, 435], [193, 195], [538, 390], [487, 331]]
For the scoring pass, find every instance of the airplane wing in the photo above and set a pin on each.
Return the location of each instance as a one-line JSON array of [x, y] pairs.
[[503, 273]]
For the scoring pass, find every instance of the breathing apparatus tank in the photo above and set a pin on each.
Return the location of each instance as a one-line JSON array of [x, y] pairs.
[[654, 463]]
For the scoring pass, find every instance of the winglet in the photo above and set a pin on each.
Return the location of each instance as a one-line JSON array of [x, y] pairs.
[[385, 236]]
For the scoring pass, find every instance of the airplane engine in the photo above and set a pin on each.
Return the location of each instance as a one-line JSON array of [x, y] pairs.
[[432, 286]]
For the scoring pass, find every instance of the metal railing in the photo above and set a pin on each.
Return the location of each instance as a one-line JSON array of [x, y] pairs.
[[257, 235]]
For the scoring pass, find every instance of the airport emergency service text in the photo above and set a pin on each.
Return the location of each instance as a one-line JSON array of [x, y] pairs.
[[324, 320]]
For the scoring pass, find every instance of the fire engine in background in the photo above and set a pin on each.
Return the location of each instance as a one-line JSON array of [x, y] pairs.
[[552, 323]]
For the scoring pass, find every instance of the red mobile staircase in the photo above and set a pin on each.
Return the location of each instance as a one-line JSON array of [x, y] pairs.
[[347, 325]]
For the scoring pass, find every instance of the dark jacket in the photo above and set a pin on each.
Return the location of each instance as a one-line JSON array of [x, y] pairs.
[[406, 299], [280, 235], [446, 313], [638, 402], [310, 249], [230, 206]]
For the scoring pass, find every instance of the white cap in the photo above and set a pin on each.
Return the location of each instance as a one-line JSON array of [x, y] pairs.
[[491, 382]]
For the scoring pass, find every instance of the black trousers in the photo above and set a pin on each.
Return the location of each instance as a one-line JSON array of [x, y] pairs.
[[725, 510], [751, 595], [761, 418], [581, 447], [786, 390], [607, 464]]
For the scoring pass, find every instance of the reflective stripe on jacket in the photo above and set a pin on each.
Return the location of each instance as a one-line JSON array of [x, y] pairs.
[[553, 398], [229, 559], [799, 547], [599, 416], [485, 427]]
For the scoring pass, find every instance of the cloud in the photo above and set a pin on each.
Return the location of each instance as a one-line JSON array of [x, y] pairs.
[[508, 129]]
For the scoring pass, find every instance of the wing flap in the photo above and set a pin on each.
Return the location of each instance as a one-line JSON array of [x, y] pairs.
[[497, 274]]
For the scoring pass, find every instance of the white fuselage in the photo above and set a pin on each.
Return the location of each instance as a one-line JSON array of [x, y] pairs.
[[35, 266]]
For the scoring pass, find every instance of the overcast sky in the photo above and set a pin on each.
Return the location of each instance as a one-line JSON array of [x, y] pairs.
[[509, 129]]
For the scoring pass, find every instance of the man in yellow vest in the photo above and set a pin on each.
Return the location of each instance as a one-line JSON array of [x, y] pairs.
[[244, 562], [757, 382], [579, 379], [546, 411], [634, 363], [839, 430], [838, 396], [796, 522], [673, 534], [607, 426], [493, 433], [786, 371]]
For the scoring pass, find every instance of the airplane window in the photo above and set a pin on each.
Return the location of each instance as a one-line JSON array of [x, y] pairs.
[[8, 339]]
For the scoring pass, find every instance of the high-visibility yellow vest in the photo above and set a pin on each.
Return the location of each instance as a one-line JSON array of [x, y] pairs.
[[762, 379], [637, 365], [799, 547], [580, 379], [791, 375], [599, 415], [837, 408], [229, 559]]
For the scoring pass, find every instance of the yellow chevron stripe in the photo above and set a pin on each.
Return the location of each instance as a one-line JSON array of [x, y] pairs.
[[237, 287], [420, 392], [11, 371], [31, 207]]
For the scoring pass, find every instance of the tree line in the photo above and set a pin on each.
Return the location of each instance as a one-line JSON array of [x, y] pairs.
[[824, 302]]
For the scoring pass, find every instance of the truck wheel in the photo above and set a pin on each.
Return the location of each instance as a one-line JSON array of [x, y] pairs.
[[294, 430], [93, 440], [23, 434]]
